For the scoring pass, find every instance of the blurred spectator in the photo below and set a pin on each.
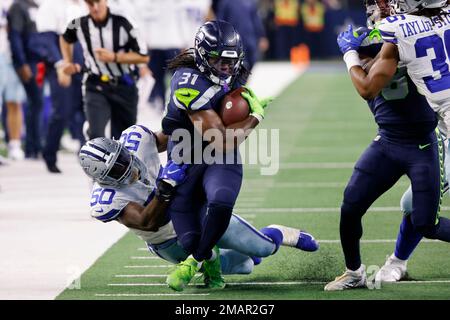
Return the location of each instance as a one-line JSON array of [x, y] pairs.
[[287, 21], [244, 16], [160, 20], [313, 16], [11, 90], [22, 35], [67, 102], [112, 48], [193, 13]]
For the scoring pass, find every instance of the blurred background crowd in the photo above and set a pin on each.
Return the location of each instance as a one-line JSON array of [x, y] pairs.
[[40, 116]]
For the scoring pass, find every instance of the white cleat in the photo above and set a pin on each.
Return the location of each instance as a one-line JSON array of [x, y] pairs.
[[393, 270], [349, 280]]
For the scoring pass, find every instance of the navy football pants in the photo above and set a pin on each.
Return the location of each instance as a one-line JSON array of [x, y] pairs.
[[219, 185], [377, 170]]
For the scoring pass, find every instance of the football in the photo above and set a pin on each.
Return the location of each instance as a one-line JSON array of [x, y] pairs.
[[234, 108]]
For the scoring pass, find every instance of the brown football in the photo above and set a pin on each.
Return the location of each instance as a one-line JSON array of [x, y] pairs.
[[234, 108]]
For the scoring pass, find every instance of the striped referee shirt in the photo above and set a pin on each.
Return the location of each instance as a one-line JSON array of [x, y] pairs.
[[116, 34]]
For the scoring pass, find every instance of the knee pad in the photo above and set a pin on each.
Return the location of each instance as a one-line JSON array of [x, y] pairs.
[[189, 241], [224, 196]]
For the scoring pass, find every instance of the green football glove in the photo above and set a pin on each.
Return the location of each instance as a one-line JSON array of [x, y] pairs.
[[256, 105]]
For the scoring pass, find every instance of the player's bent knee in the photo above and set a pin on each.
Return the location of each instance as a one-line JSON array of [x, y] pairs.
[[223, 196], [428, 230]]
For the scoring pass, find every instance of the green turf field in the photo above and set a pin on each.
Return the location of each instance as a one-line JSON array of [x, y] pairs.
[[322, 121]]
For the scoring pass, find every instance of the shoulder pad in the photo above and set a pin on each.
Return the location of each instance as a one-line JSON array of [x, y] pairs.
[[192, 90], [389, 28], [135, 136]]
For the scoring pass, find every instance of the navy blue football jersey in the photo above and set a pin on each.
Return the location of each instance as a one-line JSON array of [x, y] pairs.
[[399, 110], [190, 90]]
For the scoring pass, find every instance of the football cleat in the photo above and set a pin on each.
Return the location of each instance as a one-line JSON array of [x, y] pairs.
[[179, 278], [213, 273], [393, 270], [349, 280], [297, 239]]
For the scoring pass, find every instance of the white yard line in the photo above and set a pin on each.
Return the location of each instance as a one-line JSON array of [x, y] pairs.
[[137, 295], [378, 241], [316, 210], [268, 283], [145, 258], [148, 266], [140, 276]]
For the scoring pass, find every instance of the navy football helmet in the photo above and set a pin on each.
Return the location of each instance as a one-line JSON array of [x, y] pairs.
[[219, 53]]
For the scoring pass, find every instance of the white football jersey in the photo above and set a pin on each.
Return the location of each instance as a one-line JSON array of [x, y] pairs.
[[424, 47], [107, 202]]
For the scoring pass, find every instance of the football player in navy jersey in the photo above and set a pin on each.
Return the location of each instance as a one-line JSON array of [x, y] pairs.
[[202, 77], [407, 143]]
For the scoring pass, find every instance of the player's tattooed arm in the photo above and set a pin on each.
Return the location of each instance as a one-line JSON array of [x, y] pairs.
[[149, 218], [369, 84], [210, 120]]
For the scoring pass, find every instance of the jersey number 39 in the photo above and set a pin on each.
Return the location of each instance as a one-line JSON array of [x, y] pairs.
[[441, 48]]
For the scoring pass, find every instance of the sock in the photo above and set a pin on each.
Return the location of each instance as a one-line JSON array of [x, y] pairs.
[[274, 234], [350, 229], [215, 224], [407, 240]]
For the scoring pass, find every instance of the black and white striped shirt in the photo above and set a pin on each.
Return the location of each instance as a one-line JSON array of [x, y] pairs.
[[116, 34]]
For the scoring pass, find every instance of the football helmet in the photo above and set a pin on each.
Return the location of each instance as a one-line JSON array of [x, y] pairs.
[[109, 163], [410, 6], [218, 52], [376, 10]]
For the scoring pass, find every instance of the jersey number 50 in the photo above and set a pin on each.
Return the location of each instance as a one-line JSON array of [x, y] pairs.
[[439, 63]]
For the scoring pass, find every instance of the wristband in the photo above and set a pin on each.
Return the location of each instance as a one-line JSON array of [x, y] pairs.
[[351, 59], [257, 116]]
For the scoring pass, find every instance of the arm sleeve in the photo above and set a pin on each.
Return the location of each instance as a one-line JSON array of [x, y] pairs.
[[70, 35]]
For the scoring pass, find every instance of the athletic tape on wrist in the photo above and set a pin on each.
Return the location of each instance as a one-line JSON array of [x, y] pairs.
[[351, 59]]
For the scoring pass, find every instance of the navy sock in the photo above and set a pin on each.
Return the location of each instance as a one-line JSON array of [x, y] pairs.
[[215, 224], [407, 240], [275, 235]]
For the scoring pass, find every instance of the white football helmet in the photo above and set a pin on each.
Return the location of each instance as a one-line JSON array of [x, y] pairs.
[[410, 6], [108, 162]]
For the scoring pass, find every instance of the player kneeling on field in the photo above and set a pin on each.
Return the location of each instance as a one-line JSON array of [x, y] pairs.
[[132, 188]]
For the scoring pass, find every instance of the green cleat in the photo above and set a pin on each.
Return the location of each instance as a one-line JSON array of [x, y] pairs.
[[183, 274], [212, 272]]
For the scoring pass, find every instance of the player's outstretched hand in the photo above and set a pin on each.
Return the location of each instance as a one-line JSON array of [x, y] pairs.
[[256, 105], [347, 40], [173, 173]]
